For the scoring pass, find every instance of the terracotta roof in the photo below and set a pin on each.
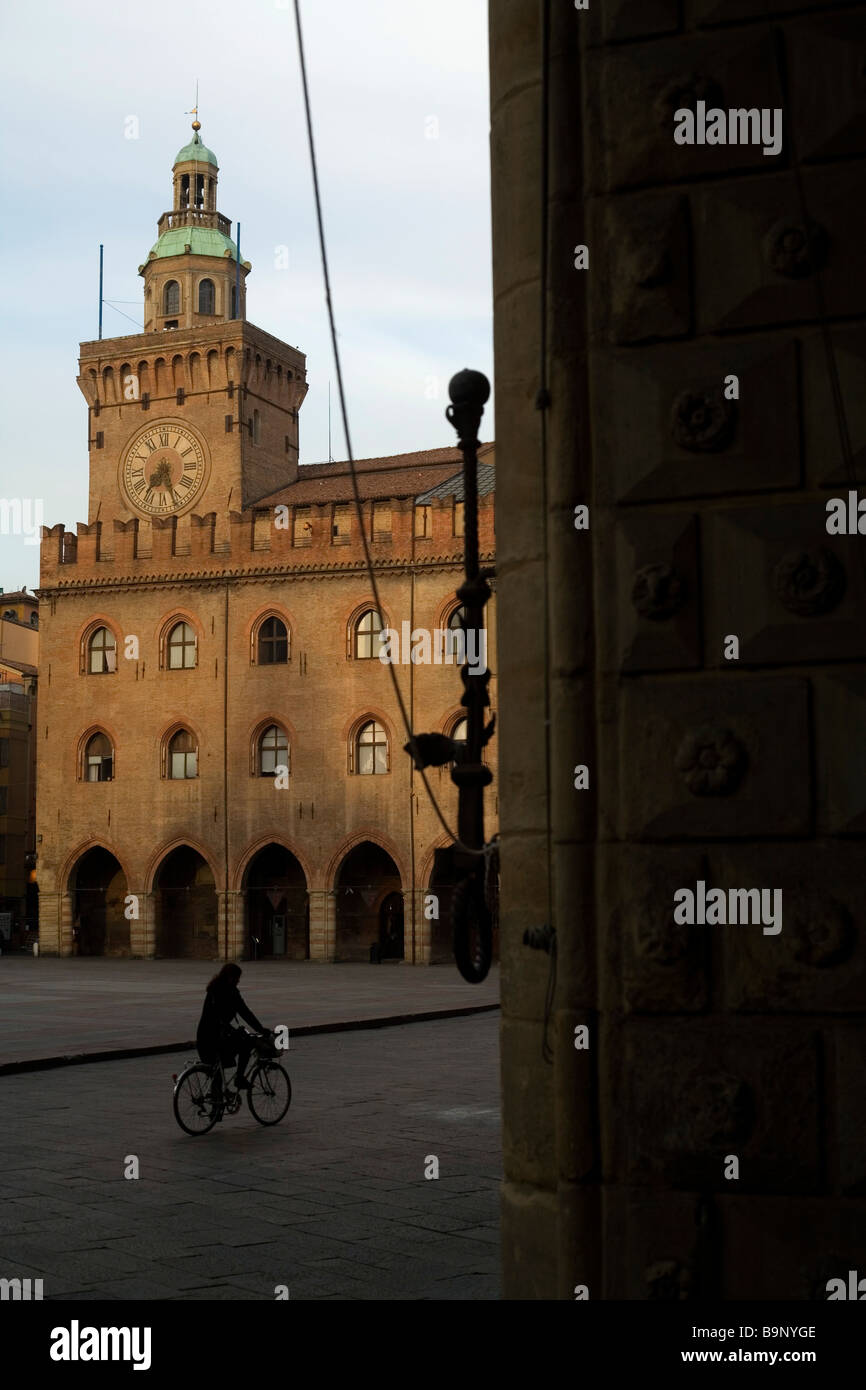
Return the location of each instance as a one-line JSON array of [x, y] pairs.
[[23, 666], [400, 475]]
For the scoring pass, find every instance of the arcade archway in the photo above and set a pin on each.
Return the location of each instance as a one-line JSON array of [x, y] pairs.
[[277, 920], [185, 906], [98, 885], [368, 914]]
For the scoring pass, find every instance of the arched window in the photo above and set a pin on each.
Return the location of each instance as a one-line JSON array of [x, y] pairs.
[[372, 749], [171, 298], [368, 638], [98, 759], [460, 731], [234, 301], [273, 751], [181, 648], [184, 190], [457, 620], [182, 756], [34, 619], [101, 652], [273, 644], [206, 297]]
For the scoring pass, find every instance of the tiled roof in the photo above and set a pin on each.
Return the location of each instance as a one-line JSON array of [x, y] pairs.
[[453, 486], [399, 475]]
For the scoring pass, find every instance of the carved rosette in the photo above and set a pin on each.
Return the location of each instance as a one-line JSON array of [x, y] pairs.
[[795, 248], [712, 761], [658, 592], [809, 582], [703, 422]]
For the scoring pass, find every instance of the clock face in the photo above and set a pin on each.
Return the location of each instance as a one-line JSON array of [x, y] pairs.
[[164, 469]]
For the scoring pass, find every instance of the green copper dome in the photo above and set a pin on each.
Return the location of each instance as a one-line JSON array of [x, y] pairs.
[[197, 151], [202, 241]]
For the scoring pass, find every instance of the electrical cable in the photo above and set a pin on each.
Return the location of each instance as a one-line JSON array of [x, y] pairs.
[[455, 840]]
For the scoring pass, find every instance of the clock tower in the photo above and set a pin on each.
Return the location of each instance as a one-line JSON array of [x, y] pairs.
[[199, 413]]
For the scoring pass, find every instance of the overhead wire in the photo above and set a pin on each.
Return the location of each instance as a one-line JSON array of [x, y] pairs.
[[453, 837]]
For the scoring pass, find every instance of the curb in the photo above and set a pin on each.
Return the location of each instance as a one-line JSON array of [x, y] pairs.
[[122, 1054]]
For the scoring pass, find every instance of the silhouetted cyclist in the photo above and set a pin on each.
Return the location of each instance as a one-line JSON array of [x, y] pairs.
[[216, 1037]]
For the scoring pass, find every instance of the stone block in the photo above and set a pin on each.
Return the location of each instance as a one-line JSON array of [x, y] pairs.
[[840, 750], [721, 759], [813, 964], [634, 92], [650, 1245], [679, 1096], [618, 20], [528, 1113], [779, 1248], [651, 569], [640, 279], [667, 431], [791, 593], [825, 459], [825, 82], [756, 258], [849, 1107], [650, 964], [529, 1242]]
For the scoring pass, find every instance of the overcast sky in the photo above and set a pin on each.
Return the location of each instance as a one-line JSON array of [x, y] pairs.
[[407, 216]]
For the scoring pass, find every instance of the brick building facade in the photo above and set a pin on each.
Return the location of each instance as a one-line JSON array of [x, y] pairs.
[[220, 749]]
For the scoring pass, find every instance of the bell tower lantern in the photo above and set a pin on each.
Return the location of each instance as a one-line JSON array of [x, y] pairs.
[[191, 274]]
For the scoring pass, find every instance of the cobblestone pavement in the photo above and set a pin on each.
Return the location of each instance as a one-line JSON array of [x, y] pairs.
[[332, 1202], [52, 1007]]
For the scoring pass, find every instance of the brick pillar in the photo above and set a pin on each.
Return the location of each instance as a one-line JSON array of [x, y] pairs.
[[141, 928], [322, 936]]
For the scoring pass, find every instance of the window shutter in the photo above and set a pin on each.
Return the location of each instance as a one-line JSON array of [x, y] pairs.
[[180, 395]]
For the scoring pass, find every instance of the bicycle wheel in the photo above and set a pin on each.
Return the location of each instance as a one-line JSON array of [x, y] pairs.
[[194, 1107], [270, 1093], [473, 931]]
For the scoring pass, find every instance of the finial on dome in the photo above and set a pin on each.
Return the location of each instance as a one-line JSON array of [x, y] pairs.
[[196, 125]]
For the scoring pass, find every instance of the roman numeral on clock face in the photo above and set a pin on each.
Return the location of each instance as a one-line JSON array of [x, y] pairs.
[[163, 439], [185, 482]]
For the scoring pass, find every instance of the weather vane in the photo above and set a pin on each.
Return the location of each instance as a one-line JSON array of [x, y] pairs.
[[196, 125]]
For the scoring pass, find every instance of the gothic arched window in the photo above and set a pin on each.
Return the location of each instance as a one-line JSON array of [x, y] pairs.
[[98, 759], [273, 644], [171, 298], [273, 750], [101, 652], [368, 640], [372, 749], [206, 297], [182, 756], [181, 648]]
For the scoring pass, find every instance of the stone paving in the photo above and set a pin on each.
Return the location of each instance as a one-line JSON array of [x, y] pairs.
[[332, 1202], [51, 1007]]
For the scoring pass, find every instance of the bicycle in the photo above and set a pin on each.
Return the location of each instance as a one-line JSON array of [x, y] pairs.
[[198, 1105]]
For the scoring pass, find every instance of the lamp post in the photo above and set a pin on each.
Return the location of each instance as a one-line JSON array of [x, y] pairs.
[[471, 866]]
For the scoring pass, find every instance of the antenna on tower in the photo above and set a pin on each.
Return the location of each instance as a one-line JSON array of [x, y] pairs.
[[330, 455], [100, 289]]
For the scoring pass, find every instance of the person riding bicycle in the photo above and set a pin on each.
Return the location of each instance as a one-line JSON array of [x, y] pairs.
[[216, 1037]]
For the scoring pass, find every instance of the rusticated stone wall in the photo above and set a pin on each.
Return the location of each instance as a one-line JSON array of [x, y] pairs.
[[707, 521]]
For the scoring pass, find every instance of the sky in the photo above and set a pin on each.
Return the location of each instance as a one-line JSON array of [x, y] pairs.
[[399, 92]]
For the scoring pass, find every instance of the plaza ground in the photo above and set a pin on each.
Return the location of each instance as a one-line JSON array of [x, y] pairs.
[[332, 1203], [51, 1007]]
